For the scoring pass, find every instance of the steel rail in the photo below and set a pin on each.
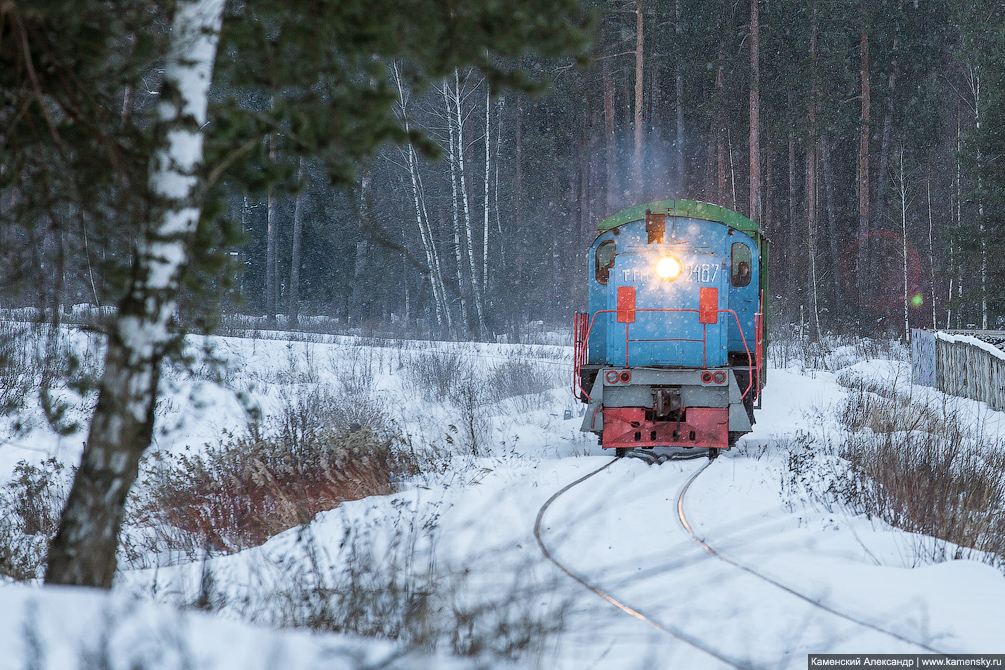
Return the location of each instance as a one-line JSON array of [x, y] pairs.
[[783, 587], [631, 611]]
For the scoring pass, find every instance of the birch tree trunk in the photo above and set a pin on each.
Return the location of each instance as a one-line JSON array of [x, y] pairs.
[[83, 551], [720, 134], [791, 146], [495, 178], [832, 222], [488, 171], [441, 307], [974, 79], [887, 124], [518, 176], [957, 214], [931, 245], [458, 254], [902, 193], [468, 233], [811, 178], [436, 268]]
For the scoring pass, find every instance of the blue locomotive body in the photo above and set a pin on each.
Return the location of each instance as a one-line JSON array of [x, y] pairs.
[[669, 353]]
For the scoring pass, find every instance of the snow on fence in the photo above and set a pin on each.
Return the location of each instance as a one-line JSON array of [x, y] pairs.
[[962, 363]]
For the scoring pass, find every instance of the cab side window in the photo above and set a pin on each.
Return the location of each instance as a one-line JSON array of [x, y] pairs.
[[604, 261], [740, 264]]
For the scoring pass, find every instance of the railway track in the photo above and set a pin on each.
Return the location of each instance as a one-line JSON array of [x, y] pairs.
[[703, 646]]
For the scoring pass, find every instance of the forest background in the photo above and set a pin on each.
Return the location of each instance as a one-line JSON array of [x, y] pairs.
[[864, 137]]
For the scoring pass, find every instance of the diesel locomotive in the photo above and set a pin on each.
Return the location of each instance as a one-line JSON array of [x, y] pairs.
[[670, 352]]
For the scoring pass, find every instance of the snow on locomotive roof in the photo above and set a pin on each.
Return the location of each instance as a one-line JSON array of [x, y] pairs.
[[689, 208]]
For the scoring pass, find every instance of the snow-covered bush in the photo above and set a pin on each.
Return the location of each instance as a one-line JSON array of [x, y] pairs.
[[916, 465], [790, 345], [435, 374], [518, 377], [253, 485], [17, 373], [30, 507], [394, 585]]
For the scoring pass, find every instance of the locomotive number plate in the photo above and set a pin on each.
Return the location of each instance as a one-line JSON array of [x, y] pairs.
[[704, 273]]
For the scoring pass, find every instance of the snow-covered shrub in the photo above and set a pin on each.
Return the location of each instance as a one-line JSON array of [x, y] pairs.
[[915, 465], [396, 587], [17, 373], [790, 345], [880, 406], [923, 469], [517, 377], [471, 429], [435, 374], [450, 375], [30, 507], [254, 485]]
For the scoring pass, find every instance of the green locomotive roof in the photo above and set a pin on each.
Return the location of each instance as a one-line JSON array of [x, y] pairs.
[[689, 208]]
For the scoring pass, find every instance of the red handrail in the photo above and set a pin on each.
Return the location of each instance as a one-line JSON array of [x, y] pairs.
[[743, 338], [759, 344], [579, 348]]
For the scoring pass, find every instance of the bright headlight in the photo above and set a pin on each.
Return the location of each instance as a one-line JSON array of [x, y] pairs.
[[668, 268]]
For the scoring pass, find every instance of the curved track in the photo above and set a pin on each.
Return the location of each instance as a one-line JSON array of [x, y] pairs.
[[783, 587], [672, 630]]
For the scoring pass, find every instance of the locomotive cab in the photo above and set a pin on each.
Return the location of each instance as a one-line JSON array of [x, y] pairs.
[[669, 353]]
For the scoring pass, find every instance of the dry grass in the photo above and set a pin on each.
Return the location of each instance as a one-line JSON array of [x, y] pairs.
[[250, 487], [920, 467], [389, 583], [791, 345], [30, 507]]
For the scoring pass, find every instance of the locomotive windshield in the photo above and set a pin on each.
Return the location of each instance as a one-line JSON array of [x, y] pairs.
[[740, 264], [605, 260]]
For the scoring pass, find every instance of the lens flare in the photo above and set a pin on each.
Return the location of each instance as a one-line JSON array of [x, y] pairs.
[[917, 300], [668, 268]]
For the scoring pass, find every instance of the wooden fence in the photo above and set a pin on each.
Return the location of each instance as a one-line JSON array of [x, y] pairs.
[[961, 363]]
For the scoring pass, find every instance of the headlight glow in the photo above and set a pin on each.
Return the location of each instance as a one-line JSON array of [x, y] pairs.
[[668, 268]]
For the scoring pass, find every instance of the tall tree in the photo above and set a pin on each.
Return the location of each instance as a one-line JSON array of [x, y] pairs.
[[864, 285], [755, 111], [638, 126], [328, 69], [678, 66], [83, 551], [293, 301]]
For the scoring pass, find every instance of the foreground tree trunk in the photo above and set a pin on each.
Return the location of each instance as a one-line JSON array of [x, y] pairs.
[[83, 551]]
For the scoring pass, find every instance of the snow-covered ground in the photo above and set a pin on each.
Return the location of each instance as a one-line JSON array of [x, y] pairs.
[[472, 526]]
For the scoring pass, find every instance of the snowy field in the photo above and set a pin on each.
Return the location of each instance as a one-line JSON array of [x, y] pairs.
[[464, 533]]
